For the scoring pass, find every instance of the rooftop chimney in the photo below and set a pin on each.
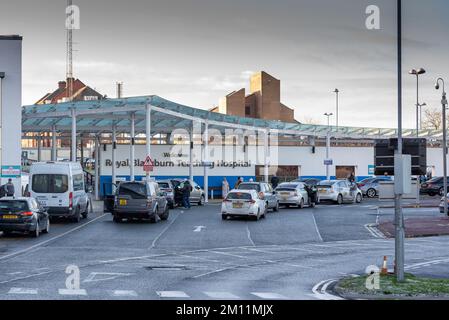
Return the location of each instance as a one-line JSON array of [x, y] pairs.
[[119, 90]]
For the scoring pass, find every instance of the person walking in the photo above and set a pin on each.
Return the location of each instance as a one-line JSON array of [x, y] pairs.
[[274, 181], [224, 188], [237, 184], [9, 188], [186, 190], [351, 178]]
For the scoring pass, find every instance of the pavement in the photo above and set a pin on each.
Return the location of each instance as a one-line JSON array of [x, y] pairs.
[[293, 254]]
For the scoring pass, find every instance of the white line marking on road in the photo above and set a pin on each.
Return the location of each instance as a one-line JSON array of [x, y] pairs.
[[124, 293], [248, 234], [316, 228], [22, 291], [229, 254], [104, 276], [269, 295], [153, 244], [222, 295], [322, 294], [72, 292], [52, 239], [172, 294], [199, 228]]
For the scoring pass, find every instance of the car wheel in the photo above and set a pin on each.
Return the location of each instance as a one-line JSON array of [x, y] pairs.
[[47, 228], [154, 218], [117, 219], [441, 191], [36, 233], [224, 217], [201, 202], [165, 215], [358, 198], [431, 194], [276, 208], [371, 193], [86, 213], [77, 217], [340, 199], [301, 204]]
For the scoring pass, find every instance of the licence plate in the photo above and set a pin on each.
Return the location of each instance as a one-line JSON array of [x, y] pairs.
[[322, 190], [123, 202], [10, 217], [285, 194], [237, 205]]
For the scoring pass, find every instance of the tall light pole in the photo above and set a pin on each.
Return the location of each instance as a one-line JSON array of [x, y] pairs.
[[2, 76], [417, 73], [336, 91], [444, 106], [420, 114], [328, 142]]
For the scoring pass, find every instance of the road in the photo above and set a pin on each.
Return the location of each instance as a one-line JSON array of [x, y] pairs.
[[292, 254]]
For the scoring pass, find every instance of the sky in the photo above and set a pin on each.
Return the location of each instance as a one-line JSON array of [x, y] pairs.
[[195, 51]]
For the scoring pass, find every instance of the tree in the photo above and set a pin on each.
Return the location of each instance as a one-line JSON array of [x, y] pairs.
[[432, 119]]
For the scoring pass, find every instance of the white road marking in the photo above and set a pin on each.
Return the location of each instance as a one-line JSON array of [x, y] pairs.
[[124, 293], [172, 294], [248, 234], [322, 294], [199, 228], [22, 291], [373, 231], [316, 228], [153, 244], [104, 276], [269, 295], [52, 239], [228, 254], [222, 295], [72, 292]]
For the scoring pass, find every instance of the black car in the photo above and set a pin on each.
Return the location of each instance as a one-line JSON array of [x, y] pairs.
[[23, 215], [433, 187]]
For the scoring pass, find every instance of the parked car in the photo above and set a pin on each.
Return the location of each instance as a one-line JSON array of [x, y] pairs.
[[243, 203], [167, 187], [292, 194], [60, 187], [23, 215], [264, 188], [140, 201], [370, 186], [433, 187], [309, 181], [339, 191], [196, 196]]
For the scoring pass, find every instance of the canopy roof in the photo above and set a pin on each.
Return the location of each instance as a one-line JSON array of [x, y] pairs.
[[99, 117]]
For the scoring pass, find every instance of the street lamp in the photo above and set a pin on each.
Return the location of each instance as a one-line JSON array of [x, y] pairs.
[[328, 142], [336, 91], [417, 73], [420, 114], [444, 104]]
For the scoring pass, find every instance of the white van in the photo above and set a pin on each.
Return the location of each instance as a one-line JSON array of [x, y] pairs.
[[59, 187]]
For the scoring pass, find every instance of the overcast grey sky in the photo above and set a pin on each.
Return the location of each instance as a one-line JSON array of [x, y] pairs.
[[196, 51]]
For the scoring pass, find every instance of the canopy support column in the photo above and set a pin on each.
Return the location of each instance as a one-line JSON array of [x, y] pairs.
[[131, 147], [148, 133], [206, 159], [54, 156], [266, 155], [39, 147], [191, 154], [73, 112], [97, 167], [113, 157]]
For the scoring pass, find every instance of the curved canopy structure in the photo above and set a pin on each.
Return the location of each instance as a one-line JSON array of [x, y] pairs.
[[100, 116]]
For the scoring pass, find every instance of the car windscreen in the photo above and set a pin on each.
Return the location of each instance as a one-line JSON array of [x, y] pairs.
[[239, 196], [164, 185], [13, 206], [249, 186], [133, 190], [50, 183]]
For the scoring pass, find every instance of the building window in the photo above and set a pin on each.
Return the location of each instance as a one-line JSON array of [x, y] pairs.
[[247, 110]]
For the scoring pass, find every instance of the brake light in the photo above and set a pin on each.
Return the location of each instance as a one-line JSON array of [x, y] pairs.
[[296, 194], [149, 203], [361, 185], [227, 200], [27, 213], [251, 201], [169, 190], [70, 200]]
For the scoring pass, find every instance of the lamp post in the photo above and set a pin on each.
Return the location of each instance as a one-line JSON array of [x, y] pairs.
[[328, 142], [444, 105], [336, 91], [417, 73], [420, 114], [2, 76]]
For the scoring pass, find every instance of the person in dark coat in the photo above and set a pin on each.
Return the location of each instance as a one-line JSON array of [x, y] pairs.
[[3, 191], [9, 188], [274, 181], [186, 190]]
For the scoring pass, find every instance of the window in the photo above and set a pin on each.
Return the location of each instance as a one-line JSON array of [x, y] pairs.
[[50, 183], [247, 110], [13, 206], [239, 196], [78, 182], [249, 186], [164, 185], [133, 190]]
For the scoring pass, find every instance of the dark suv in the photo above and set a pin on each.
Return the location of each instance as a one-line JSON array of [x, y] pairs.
[[433, 187], [142, 201]]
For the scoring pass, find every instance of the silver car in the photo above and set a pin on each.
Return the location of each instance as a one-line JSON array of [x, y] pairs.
[[292, 194], [196, 196], [339, 191], [370, 186], [264, 188], [167, 187]]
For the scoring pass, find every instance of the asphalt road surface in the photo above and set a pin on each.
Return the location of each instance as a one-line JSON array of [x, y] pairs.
[[292, 254]]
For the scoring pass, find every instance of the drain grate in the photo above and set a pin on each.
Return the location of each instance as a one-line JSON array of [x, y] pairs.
[[167, 268]]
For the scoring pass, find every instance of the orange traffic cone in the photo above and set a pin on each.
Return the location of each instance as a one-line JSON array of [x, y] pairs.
[[384, 269]]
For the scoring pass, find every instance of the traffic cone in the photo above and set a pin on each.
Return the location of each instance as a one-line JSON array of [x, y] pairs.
[[384, 270]]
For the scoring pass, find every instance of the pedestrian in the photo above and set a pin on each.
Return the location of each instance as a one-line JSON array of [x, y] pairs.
[[351, 178], [239, 181], [186, 190], [274, 181], [251, 180], [9, 189], [224, 188]]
